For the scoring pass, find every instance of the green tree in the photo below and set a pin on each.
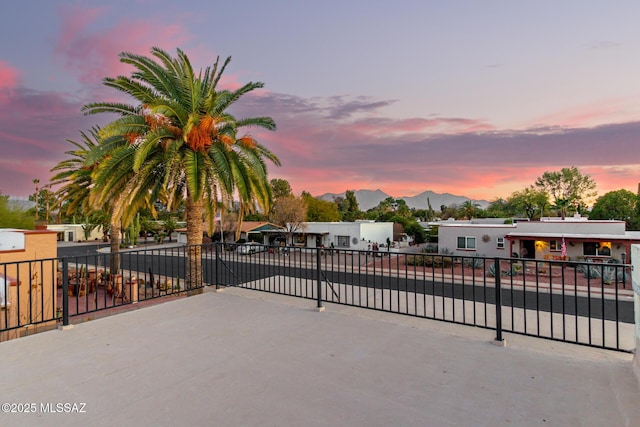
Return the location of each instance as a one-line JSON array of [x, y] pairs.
[[569, 189], [320, 210], [402, 209], [500, 208], [12, 215], [529, 202], [148, 225], [450, 211], [280, 188], [411, 227], [76, 177], [290, 213], [349, 208], [181, 143], [46, 202], [621, 205], [469, 209], [389, 208], [169, 225]]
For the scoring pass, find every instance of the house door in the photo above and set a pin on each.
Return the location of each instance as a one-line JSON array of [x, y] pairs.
[[528, 249]]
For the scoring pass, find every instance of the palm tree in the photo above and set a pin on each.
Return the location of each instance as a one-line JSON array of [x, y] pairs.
[[170, 225], [562, 204], [182, 144], [469, 209], [77, 174]]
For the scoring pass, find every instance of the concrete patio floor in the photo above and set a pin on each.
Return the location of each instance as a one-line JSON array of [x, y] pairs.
[[245, 358]]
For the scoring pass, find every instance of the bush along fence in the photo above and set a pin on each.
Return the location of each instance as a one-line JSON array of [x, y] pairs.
[[580, 302]]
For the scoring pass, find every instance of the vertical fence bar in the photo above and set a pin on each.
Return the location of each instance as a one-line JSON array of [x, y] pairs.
[[318, 278], [217, 266], [498, 301], [65, 292]]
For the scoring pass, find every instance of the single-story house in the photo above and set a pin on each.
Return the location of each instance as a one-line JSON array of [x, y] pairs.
[[358, 235], [74, 232], [251, 231], [574, 238]]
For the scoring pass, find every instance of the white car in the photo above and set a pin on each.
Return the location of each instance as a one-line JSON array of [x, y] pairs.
[[251, 248]]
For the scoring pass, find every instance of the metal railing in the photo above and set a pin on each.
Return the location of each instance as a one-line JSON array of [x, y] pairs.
[[40, 294], [579, 302]]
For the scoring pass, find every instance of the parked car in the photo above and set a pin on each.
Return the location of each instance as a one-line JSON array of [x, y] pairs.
[[251, 248]]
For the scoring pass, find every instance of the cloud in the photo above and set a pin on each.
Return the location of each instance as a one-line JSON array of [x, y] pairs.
[[324, 152], [342, 107], [34, 127], [602, 112], [88, 46], [8, 77], [406, 156]]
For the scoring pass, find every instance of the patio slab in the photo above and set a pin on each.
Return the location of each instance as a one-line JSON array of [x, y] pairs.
[[247, 358]]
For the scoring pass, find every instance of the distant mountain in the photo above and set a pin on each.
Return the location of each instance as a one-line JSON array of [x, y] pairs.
[[421, 201], [368, 199]]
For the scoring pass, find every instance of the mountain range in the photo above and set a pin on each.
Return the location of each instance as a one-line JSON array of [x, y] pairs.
[[368, 199]]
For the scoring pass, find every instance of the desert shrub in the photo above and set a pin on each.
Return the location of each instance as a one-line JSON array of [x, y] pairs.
[[436, 261], [514, 270], [589, 271], [612, 273], [431, 248], [475, 262], [439, 261], [417, 260]]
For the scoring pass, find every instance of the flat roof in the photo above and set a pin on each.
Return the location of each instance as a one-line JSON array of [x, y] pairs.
[[242, 357], [580, 236]]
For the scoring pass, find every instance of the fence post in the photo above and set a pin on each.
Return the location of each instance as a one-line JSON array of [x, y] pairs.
[[216, 274], [499, 338], [65, 292], [319, 279]]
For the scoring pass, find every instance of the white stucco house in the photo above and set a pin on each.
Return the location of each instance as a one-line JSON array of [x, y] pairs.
[[358, 235], [74, 232], [583, 239]]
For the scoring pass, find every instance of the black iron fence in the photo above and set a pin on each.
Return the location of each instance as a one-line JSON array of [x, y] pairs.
[[41, 294], [581, 302]]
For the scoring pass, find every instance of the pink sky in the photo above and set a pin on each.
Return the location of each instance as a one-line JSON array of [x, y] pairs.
[[366, 112]]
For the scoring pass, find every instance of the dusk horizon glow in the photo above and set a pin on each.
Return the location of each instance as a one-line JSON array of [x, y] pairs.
[[473, 99]]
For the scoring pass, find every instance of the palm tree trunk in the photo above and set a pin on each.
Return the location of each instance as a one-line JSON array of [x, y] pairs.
[[114, 266], [194, 243], [239, 222]]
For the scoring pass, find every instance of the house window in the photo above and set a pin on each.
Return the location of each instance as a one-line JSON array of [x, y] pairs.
[[555, 245], [500, 242], [467, 243], [342, 241], [597, 248]]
